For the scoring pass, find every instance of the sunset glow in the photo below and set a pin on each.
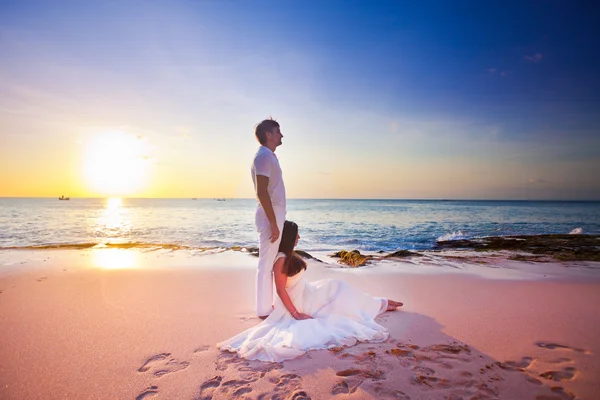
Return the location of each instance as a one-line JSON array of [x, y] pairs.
[[114, 164], [447, 102]]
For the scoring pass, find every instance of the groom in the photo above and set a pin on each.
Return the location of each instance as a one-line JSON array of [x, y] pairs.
[[270, 212]]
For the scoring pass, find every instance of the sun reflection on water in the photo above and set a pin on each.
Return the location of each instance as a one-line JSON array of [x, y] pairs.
[[114, 202], [114, 221]]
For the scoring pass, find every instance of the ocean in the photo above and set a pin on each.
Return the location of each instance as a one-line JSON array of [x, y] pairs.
[[325, 225]]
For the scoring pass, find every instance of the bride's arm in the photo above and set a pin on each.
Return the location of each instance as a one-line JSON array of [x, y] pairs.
[[280, 281]]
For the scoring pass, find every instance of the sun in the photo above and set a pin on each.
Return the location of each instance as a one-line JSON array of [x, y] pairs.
[[114, 163]]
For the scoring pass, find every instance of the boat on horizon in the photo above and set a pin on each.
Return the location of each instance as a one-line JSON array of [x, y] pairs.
[[64, 198]]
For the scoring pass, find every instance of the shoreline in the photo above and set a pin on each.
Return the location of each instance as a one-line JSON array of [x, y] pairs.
[[77, 330], [488, 264], [540, 247]]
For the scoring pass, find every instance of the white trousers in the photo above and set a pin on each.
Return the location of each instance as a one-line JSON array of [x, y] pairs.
[[266, 258]]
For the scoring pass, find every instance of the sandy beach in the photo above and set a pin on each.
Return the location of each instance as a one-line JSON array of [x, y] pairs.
[[127, 324]]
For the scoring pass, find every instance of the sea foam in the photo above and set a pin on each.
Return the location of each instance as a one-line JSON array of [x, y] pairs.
[[458, 235]]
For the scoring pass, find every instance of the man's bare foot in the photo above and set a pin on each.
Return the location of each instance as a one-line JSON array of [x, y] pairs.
[[393, 305]]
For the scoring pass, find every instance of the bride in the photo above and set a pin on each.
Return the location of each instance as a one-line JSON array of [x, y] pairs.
[[309, 315]]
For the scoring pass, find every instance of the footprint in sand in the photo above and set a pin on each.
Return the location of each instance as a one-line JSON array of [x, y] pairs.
[[208, 388], [287, 386], [554, 346], [491, 391], [566, 374], [566, 396], [467, 384], [525, 362], [423, 370], [362, 357], [533, 380], [441, 354], [201, 349], [235, 387], [43, 278], [560, 360], [385, 394], [249, 369], [373, 374], [225, 360], [163, 364], [298, 395], [454, 348], [148, 393], [564, 393], [401, 353], [157, 357], [346, 387]]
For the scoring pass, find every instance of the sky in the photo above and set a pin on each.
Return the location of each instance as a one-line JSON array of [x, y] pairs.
[[376, 99]]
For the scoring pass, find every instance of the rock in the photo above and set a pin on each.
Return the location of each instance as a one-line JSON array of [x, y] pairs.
[[402, 254], [351, 258], [306, 255], [560, 247], [253, 251]]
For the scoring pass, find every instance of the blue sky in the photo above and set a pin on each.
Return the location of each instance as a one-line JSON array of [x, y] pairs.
[[376, 99]]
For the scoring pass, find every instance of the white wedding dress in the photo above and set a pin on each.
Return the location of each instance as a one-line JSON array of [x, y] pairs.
[[342, 315]]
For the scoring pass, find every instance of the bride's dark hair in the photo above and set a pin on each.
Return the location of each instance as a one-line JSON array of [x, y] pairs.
[[293, 262]]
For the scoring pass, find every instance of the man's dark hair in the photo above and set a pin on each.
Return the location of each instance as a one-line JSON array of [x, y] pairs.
[[265, 126]]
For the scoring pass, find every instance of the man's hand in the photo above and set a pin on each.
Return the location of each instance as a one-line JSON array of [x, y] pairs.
[[301, 316], [274, 233]]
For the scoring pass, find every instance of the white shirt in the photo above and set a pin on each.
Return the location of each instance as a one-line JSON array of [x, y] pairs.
[[266, 164]]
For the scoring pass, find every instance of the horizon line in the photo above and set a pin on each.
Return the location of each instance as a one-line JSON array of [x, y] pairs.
[[303, 198]]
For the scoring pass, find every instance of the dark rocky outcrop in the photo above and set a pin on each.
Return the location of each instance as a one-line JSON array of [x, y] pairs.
[[253, 251], [559, 247], [306, 255], [355, 259], [402, 254]]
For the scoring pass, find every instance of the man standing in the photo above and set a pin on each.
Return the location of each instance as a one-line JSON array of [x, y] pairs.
[[270, 211]]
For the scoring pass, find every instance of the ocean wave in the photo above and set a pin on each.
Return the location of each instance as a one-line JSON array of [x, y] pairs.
[[458, 235]]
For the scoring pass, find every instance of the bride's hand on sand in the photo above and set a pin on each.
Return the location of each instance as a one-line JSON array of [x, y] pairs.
[[274, 233], [301, 316]]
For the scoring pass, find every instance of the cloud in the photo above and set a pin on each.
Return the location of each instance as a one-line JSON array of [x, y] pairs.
[[184, 131], [536, 58], [494, 71], [536, 181]]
